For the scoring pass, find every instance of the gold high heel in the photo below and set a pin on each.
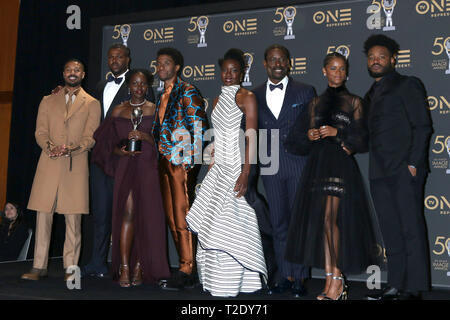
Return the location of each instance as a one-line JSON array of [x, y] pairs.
[[344, 294], [137, 275], [124, 283]]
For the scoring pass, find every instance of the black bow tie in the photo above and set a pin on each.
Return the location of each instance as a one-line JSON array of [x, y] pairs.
[[112, 78], [273, 86]]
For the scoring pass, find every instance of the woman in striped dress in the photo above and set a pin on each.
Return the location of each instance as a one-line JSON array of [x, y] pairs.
[[230, 258]]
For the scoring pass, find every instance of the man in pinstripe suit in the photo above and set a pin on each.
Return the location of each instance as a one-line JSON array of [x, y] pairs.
[[280, 102]]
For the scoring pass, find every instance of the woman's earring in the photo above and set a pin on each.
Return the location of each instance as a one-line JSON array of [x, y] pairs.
[[129, 92]]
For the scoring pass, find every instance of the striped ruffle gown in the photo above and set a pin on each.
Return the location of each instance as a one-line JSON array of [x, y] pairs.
[[230, 257]]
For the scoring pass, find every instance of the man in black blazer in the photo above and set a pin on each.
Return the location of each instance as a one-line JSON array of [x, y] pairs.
[[399, 128], [280, 102], [110, 92]]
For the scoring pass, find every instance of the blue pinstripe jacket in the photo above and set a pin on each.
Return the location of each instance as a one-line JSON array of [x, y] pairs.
[[296, 100]]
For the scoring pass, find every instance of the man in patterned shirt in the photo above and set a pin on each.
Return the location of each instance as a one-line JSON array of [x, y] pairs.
[[178, 129]]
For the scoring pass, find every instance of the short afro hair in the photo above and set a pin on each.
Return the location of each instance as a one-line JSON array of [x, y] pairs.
[[145, 72], [236, 55], [383, 41], [176, 56]]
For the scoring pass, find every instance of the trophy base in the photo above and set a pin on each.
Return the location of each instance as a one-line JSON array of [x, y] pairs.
[[447, 71], [134, 145], [289, 37], [389, 28], [447, 171], [246, 84], [202, 45]]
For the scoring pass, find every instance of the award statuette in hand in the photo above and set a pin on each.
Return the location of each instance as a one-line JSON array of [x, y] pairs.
[[136, 118]]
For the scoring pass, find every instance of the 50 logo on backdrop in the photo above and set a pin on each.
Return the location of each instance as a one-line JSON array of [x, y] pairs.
[[201, 24], [288, 16], [441, 147], [122, 31], [343, 49], [442, 250], [441, 45], [375, 21]]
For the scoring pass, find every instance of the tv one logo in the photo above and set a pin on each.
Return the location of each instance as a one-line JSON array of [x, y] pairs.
[[298, 65], [439, 104], [441, 203], [336, 18], [241, 27], [199, 72], [436, 8], [160, 35]]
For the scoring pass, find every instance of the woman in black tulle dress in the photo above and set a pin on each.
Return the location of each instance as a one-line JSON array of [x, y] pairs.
[[332, 226]]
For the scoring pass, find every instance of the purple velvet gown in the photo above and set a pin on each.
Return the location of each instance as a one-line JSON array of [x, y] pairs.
[[137, 175]]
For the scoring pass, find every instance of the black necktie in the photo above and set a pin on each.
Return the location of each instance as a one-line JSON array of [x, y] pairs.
[[112, 78], [273, 86]]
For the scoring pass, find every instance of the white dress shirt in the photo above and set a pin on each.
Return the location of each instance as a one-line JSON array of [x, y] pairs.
[[110, 92], [275, 98]]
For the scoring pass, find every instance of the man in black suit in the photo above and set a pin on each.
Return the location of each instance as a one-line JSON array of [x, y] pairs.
[[110, 92], [399, 128], [280, 102]]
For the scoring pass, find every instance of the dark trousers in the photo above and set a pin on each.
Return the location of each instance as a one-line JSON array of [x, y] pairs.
[[102, 188], [398, 202], [280, 193]]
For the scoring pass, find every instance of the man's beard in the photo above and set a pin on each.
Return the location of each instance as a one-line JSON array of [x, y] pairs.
[[389, 68], [74, 84]]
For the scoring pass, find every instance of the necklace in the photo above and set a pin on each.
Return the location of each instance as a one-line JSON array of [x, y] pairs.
[[136, 104]]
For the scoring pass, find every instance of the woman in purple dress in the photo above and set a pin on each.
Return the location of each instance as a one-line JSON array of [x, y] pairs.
[[138, 225]]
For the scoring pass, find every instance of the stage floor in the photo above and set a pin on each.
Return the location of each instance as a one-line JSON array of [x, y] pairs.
[[54, 288]]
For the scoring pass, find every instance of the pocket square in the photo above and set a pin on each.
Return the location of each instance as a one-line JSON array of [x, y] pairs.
[[295, 105]]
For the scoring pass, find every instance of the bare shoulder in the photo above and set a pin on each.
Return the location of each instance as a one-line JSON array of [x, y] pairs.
[[118, 110], [149, 108], [244, 96]]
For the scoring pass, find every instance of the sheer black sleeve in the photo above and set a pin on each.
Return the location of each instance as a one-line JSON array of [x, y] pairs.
[[356, 137]]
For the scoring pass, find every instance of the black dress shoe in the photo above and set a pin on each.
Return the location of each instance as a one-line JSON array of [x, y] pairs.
[[178, 281], [282, 286], [389, 293], [298, 289], [87, 271], [410, 296]]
